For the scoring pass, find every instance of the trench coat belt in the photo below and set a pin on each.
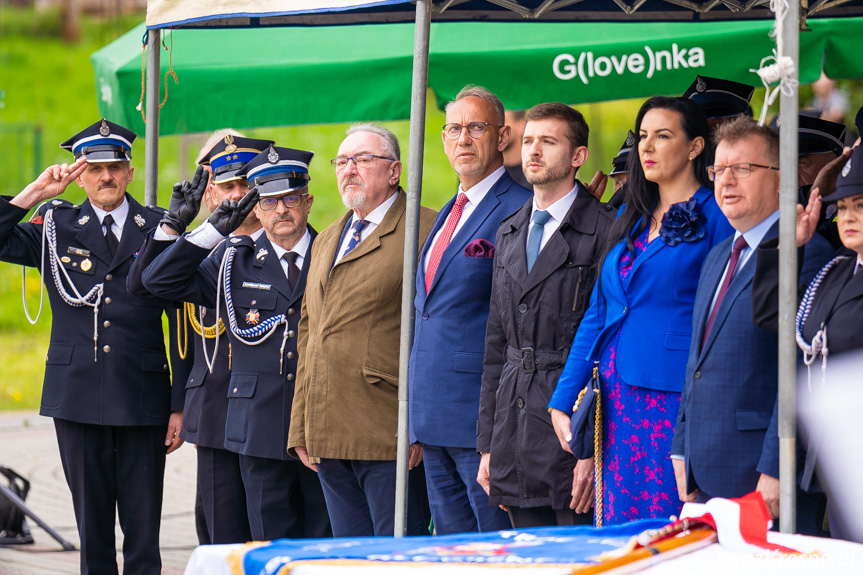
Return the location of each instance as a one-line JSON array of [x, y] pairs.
[[530, 360]]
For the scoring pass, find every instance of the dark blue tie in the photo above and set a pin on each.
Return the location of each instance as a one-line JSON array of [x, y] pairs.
[[534, 240], [358, 226]]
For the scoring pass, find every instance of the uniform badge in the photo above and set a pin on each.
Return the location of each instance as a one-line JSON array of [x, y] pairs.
[[229, 141], [86, 265], [65, 259], [273, 157], [847, 169], [83, 220], [235, 240], [56, 202], [700, 84], [139, 220], [36, 219], [104, 129], [253, 317], [262, 254]]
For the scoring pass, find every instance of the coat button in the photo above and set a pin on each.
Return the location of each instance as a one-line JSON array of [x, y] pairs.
[[191, 380], [290, 355], [697, 375], [425, 316], [519, 402], [106, 323], [108, 300], [290, 377], [522, 308], [165, 367], [254, 301], [107, 349], [109, 277], [291, 311], [291, 334], [235, 390]]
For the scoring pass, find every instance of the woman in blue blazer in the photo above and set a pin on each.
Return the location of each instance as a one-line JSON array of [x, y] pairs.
[[639, 323]]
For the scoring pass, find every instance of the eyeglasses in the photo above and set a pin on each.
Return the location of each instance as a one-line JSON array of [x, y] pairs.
[[739, 171], [474, 129], [360, 161], [268, 204]]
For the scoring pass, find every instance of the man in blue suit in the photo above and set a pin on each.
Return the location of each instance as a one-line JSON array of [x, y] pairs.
[[726, 440], [452, 303]]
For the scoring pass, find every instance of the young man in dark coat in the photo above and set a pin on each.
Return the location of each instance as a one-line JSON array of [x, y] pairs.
[[544, 269]]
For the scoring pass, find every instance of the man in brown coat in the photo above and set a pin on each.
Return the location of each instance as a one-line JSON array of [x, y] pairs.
[[544, 270], [345, 410]]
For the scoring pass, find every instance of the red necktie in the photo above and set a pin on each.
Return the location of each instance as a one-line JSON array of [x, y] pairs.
[[443, 241], [739, 244]]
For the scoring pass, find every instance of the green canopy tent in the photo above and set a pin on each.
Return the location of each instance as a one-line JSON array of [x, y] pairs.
[[308, 75]]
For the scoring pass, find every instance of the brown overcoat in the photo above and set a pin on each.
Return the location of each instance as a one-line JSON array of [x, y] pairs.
[[346, 397]]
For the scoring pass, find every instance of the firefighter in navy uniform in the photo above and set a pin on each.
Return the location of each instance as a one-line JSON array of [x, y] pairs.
[[257, 286], [107, 382], [220, 482]]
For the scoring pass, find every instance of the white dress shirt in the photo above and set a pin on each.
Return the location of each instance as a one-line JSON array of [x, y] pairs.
[[300, 249], [557, 211], [119, 214]]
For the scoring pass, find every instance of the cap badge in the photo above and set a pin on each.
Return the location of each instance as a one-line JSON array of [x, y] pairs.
[[104, 129], [630, 139], [847, 169], [273, 157], [86, 265], [229, 141], [700, 84], [83, 220], [253, 317], [139, 220], [262, 254]]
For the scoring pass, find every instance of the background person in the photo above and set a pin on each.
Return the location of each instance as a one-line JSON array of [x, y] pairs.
[[639, 323]]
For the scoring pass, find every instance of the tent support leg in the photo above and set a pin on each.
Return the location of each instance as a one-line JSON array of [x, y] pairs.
[[414, 191], [151, 135], [788, 110]]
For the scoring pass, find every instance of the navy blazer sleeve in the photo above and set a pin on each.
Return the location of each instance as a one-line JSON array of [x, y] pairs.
[[184, 272]]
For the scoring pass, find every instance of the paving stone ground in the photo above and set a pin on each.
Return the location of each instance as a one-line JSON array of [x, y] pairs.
[[28, 445]]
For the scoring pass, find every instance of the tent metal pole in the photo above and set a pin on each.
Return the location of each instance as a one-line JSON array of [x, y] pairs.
[[151, 135], [788, 110], [419, 88]]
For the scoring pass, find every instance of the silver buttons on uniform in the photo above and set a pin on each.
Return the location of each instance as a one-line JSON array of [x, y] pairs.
[[108, 300], [106, 323], [107, 349]]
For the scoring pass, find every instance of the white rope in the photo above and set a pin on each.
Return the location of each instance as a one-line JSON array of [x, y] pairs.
[[783, 69], [41, 285]]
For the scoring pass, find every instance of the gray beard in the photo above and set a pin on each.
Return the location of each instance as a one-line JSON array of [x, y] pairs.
[[356, 200]]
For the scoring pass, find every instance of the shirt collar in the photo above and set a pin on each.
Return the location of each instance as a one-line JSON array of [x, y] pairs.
[[559, 208], [300, 248], [859, 263], [478, 192], [119, 214], [376, 216], [755, 235]]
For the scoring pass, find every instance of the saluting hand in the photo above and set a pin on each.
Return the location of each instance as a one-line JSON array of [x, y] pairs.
[[186, 201], [231, 213], [50, 183]]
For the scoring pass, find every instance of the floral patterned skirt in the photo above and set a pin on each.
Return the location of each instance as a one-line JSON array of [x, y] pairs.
[[638, 425]]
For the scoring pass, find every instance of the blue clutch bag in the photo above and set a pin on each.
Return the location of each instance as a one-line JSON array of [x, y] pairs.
[[586, 420]]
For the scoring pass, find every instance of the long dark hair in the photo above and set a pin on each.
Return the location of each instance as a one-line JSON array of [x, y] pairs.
[[642, 195]]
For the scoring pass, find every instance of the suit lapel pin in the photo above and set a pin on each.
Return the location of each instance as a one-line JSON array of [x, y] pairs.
[[83, 220], [139, 220]]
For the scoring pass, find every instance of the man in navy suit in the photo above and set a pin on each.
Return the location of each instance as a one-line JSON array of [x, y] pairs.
[[452, 303], [726, 441]]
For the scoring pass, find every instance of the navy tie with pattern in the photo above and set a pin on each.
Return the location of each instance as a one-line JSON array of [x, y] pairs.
[[358, 226]]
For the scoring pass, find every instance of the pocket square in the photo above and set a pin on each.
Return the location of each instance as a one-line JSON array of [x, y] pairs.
[[480, 248]]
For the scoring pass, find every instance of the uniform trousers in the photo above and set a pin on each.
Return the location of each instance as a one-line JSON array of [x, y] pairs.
[[361, 498], [283, 499], [110, 467], [223, 496], [458, 503]]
